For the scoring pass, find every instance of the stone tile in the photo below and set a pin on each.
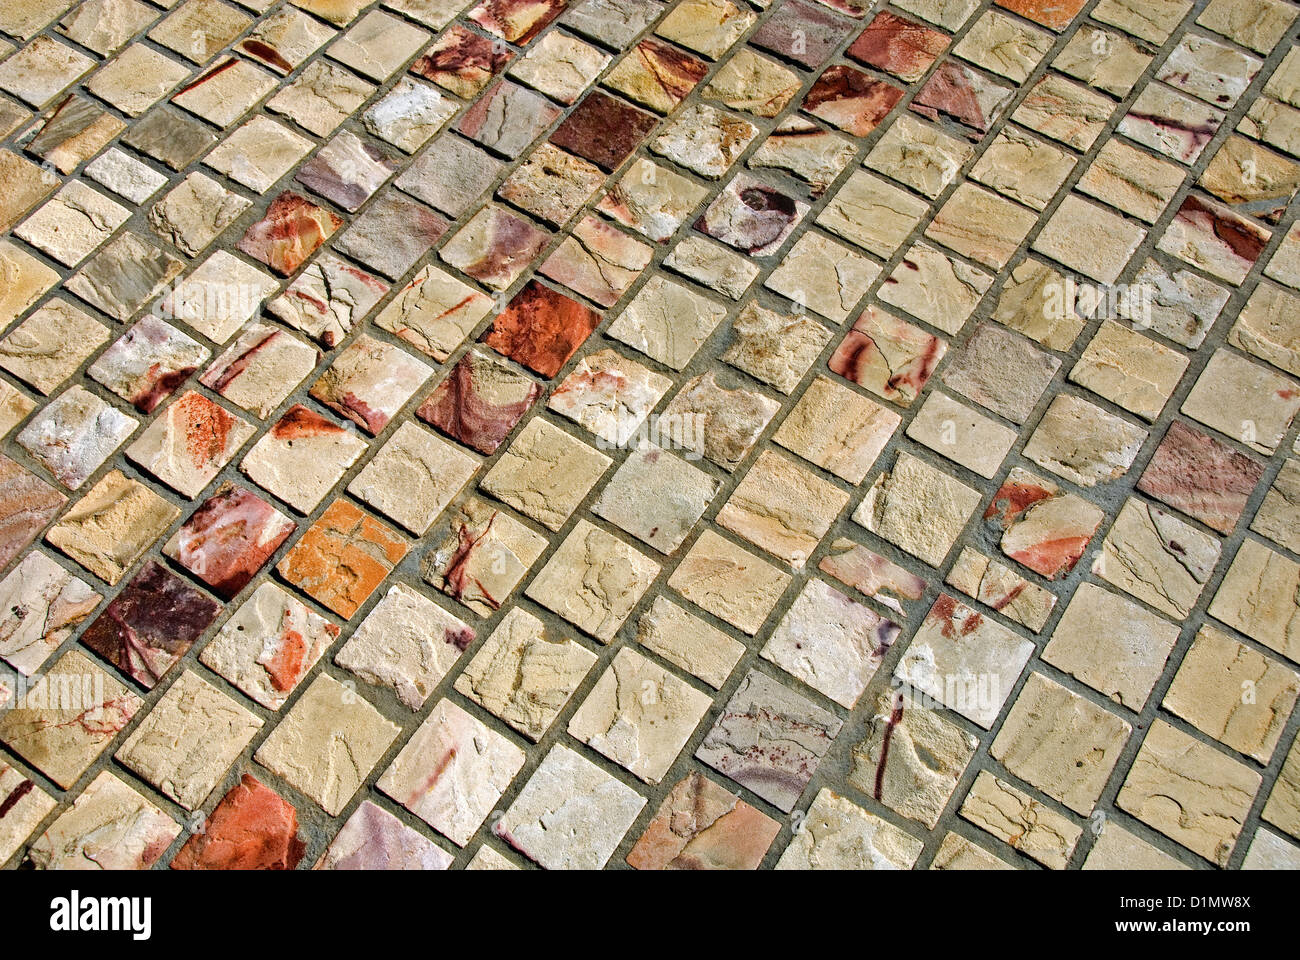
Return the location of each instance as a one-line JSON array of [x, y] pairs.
[[109, 827], [452, 772], [480, 554], [850, 99], [724, 424], [252, 828], [667, 321], [1157, 558], [434, 312], [1083, 443], [26, 280], [800, 31], [1266, 328], [729, 582], [686, 641], [302, 457], [704, 140], [898, 46], [1251, 179], [1020, 821], [657, 497], [655, 75], [1104, 59], [782, 507], [935, 287], [347, 171], [1283, 806], [701, 826], [413, 477], [51, 344], [374, 839], [1001, 371], [329, 298], [513, 22], [560, 66], [1004, 45], [38, 72], [506, 118], [614, 23], [1065, 111], [1212, 237], [839, 835], [1056, 15], [260, 369], [1040, 525], [808, 151], [1257, 597], [74, 132], [1201, 476], [603, 129], [137, 79], [1230, 386], [189, 443], [1118, 849], [285, 39], [27, 185], [226, 91], [871, 213], [873, 575], [73, 223], [42, 604], [327, 744], [378, 44], [1268, 851], [105, 26], [1210, 793], [228, 539], [1023, 168], [545, 473], [956, 92], [270, 643], [1277, 518], [958, 853], [109, 528], [409, 114], [197, 29], [772, 347], [218, 298], [321, 97], [1170, 123], [918, 508], [961, 434], [551, 185], [753, 84], [601, 263], [369, 382], [342, 558], [480, 401], [837, 429], [1208, 69], [151, 624], [998, 586], [965, 222], [495, 247], [188, 741], [462, 61], [259, 153], [890, 357], [75, 434], [570, 815], [292, 230]]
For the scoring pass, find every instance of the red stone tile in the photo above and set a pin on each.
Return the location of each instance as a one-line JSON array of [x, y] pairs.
[[252, 828], [228, 539], [1056, 14], [27, 503], [1203, 477], [851, 99], [518, 21], [480, 401], [292, 230], [541, 328], [899, 46], [604, 130], [462, 61]]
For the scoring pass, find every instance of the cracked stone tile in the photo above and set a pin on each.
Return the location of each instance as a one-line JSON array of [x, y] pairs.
[[452, 772], [347, 171], [1157, 558], [911, 758], [775, 348], [603, 129], [188, 741], [378, 44], [342, 558], [1111, 644], [151, 624], [109, 528], [965, 224], [1170, 123], [27, 505], [369, 382], [226, 91], [1131, 180], [1258, 597], [541, 328], [73, 223], [409, 114], [823, 276], [1212, 237], [686, 641], [609, 395], [545, 473], [407, 643], [936, 288], [1065, 111], [839, 430], [918, 508], [840, 835], [285, 40], [614, 23], [479, 555], [1023, 168], [42, 69], [958, 853], [1230, 386], [1130, 370], [75, 434], [963, 660], [1189, 792], [1040, 525], [261, 368], [507, 118], [1020, 821], [1104, 59], [570, 815], [1004, 45], [1251, 179], [252, 828], [560, 66], [667, 321], [1274, 123], [109, 827], [1183, 306], [1083, 443], [291, 231], [495, 247], [600, 262], [1234, 693], [782, 508], [729, 421], [228, 539], [918, 155], [709, 27], [890, 357], [593, 580], [105, 26], [434, 312], [761, 715], [42, 605], [191, 441], [998, 586], [259, 153], [1266, 328], [956, 92], [652, 200], [1258, 26], [551, 185], [1277, 517], [1060, 743], [462, 61], [198, 29], [803, 32], [413, 477], [898, 46], [322, 97], [705, 140], [871, 574], [450, 174], [1001, 371], [74, 132], [811, 153], [524, 674], [327, 744], [701, 826], [302, 457], [961, 434], [195, 213], [850, 99], [270, 643], [729, 582], [480, 401], [63, 739], [753, 84], [374, 839], [51, 344], [639, 715]]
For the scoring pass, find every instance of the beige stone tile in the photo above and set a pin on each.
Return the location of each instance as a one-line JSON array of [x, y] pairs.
[[1020, 821], [686, 641], [782, 507], [545, 473], [918, 508], [1157, 558], [840, 835], [729, 582], [1258, 596]]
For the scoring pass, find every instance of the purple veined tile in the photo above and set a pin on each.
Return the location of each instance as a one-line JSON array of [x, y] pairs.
[[480, 400], [374, 839], [150, 624], [228, 539], [801, 31], [518, 21], [462, 61], [506, 118], [751, 216], [495, 247]]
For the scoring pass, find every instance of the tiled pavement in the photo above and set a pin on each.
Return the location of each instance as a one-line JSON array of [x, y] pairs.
[[334, 332]]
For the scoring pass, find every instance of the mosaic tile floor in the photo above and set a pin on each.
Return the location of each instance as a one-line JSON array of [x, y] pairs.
[[688, 434]]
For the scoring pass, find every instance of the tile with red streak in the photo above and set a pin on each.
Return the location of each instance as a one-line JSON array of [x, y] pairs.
[[1056, 14], [851, 99], [1024, 498], [701, 826], [960, 93], [228, 539], [517, 21], [27, 504], [462, 61], [252, 828], [899, 46], [480, 401], [151, 624], [342, 558], [541, 328], [292, 230]]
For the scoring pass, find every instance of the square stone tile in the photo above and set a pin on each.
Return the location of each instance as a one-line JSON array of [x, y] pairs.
[[409, 114], [228, 539], [560, 66], [434, 312], [701, 826], [1266, 328], [285, 39], [652, 200], [1283, 806], [374, 839], [1004, 45], [42, 604], [956, 92], [570, 815], [105, 26], [1210, 793], [226, 91], [29, 503], [545, 473], [188, 741], [327, 744], [657, 497], [47, 348], [769, 739], [47, 723], [259, 153], [961, 434], [918, 508], [1104, 59], [782, 508], [1023, 168], [1209, 69], [75, 434], [1065, 111], [495, 247], [1257, 596], [1020, 821], [110, 826], [515, 23], [110, 527], [998, 586], [842, 836], [413, 477], [507, 118], [1230, 386], [898, 46], [136, 80], [598, 261], [302, 457], [873, 575], [1251, 179], [686, 641], [479, 555], [850, 99], [1111, 644], [378, 44], [873, 214], [824, 276], [1201, 476], [667, 321], [189, 443], [1001, 371], [603, 129], [1199, 235], [614, 23], [27, 183], [524, 674], [342, 558], [76, 130], [369, 382], [804, 32], [1157, 558], [322, 97], [462, 61], [195, 212], [704, 140], [261, 368], [551, 185], [1040, 525], [452, 772], [837, 429], [252, 828], [480, 401], [810, 152], [720, 423], [347, 171], [270, 643], [42, 69], [775, 348], [218, 298], [965, 224], [655, 75], [1083, 443], [1277, 518], [1170, 123], [197, 29], [73, 223], [958, 853], [1118, 849], [290, 232], [753, 84], [729, 582]]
